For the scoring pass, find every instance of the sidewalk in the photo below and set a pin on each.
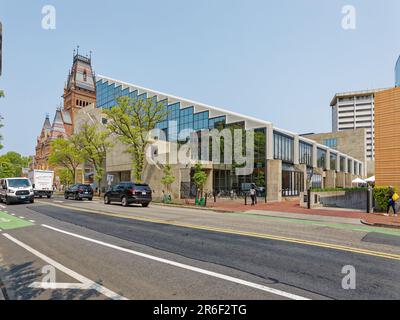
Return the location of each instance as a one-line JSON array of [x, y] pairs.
[[379, 220], [292, 206]]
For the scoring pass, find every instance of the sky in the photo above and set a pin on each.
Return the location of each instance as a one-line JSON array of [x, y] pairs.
[[277, 60]]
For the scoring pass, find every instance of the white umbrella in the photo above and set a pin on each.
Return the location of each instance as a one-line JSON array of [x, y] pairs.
[[358, 180], [371, 179]]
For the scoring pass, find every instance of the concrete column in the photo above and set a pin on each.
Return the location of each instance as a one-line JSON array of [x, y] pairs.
[[340, 180], [348, 180], [352, 167], [330, 181], [338, 163], [269, 139], [315, 156], [328, 160], [296, 152], [346, 165], [274, 180]]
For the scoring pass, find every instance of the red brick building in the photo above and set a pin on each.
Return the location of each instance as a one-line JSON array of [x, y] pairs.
[[79, 92]]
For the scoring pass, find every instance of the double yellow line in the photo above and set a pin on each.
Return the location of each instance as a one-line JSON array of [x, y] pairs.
[[237, 232]]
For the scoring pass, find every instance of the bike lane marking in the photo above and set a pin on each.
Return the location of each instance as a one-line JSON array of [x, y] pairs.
[[10, 222]]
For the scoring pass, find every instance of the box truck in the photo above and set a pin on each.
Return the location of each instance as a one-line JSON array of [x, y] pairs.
[[42, 182]]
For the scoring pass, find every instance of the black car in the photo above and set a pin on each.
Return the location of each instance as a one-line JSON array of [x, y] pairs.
[[129, 192], [79, 192]]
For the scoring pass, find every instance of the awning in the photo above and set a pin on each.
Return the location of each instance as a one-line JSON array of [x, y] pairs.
[[358, 180], [371, 179]]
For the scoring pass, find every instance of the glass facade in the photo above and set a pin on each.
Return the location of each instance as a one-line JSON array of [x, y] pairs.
[[333, 161], [292, 183], [283, 147], [305, 153], [342, 164], [321, 158], [224, 176], [331, 143]]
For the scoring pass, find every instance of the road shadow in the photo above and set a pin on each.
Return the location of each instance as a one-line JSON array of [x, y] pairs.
[[18, 277]]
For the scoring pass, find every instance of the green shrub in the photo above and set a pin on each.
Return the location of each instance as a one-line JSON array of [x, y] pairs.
[[381, 198]]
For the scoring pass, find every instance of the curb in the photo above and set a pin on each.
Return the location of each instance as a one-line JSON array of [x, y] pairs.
[[191, 207], [380, 225]]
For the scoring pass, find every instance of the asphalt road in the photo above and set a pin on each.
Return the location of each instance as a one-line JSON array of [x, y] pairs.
[[171, 253]]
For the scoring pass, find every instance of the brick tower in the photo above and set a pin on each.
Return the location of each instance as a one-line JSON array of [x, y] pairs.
[[80, 89]]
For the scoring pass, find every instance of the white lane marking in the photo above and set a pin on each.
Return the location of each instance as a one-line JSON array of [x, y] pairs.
[[60, 286], [13, 214], [85, 281], [33, 221], [3, 207], [184, 266]]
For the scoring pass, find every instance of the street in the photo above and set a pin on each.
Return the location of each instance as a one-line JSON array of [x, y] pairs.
[[61, 249]]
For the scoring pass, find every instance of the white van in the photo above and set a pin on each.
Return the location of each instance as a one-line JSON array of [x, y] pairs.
[[16, 190]]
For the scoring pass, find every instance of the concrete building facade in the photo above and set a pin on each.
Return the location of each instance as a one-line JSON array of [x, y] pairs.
[[355, 110], [284, 162], [351, 142]]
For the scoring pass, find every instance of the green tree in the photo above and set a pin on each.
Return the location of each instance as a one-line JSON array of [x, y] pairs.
[[199, 178], [2, 94], [11, 164], [65, 154], [66, 177], [130, 121], [7, 170], [168, 179], [94, 144]]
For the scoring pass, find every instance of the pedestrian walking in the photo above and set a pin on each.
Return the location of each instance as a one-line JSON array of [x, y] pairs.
[[392, 199], [253, 193]]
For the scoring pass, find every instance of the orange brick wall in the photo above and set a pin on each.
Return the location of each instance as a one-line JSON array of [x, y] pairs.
[[387, 137]]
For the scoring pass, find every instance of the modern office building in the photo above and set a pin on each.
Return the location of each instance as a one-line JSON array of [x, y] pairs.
[[351, 142], [354, 110], [284, 161], [387, 137]]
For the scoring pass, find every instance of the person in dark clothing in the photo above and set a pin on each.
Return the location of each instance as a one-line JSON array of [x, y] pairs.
[[391, 202], [253, 194]]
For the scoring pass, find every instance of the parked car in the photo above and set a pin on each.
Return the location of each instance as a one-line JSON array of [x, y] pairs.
[[129, 192], [79, 192], [16, 190]]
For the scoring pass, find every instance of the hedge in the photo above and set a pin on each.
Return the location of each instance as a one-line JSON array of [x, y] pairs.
[[381, 198]]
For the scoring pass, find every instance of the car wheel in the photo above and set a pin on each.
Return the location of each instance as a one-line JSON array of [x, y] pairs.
[[90, 199], [145, 205], [106, 200], [49, 196], [32, 201], [66, 197], [124, 202], [8, 202], [76, 197]]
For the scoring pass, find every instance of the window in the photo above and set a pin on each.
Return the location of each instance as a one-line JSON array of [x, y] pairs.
[[305, 153], [333, 160], [216, 122], [331, 143], [321, 158], [84, 76], [200, 121], [283, 147]]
